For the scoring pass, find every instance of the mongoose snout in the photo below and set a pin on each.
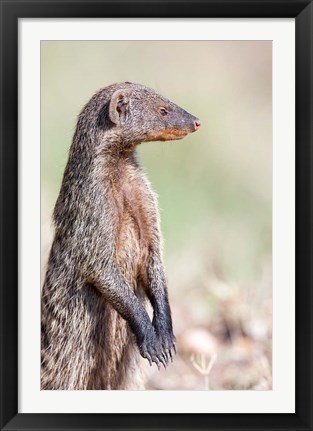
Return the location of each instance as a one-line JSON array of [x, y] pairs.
[[106, 257]]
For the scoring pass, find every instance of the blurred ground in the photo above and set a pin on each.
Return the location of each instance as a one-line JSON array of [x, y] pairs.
[[214, 191]]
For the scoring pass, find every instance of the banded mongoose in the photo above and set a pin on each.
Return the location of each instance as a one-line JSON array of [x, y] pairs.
[[106, 255]]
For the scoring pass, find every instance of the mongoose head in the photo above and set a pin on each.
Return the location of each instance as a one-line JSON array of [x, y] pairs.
[[139, 114]]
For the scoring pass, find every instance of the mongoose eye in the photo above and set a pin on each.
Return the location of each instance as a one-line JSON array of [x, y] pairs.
[[163, 112]]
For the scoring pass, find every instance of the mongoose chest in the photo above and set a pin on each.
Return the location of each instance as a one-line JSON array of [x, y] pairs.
[[136, 220]]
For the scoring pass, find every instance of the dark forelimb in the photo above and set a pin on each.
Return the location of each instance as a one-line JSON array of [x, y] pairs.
[[157, 293], [120, 295]]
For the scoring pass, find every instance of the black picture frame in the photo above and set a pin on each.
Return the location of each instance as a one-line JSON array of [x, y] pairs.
[[11, 11]]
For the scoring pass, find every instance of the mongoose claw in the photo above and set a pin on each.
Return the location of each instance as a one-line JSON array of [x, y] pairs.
[[165, 356], [174, 347], [147, 356], [156, 360], [152, 359], [162, 360]]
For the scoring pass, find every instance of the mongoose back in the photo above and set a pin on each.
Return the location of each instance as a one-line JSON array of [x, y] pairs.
[[106, 255]]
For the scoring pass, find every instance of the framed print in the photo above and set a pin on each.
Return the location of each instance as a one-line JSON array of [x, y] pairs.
[[164, 285]]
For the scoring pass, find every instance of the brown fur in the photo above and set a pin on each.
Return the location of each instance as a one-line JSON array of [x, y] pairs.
[[106, 254]]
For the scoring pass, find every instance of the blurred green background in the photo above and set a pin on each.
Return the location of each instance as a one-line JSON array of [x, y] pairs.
[[214, 189]]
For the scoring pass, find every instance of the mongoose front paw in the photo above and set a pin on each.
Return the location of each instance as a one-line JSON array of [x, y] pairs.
[[168, 342], [151, 349], [166, 338]]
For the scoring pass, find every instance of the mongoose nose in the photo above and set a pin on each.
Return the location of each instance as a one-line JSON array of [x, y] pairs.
[[197, 124]]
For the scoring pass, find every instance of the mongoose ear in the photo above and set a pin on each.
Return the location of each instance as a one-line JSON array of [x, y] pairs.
[[118, 106]]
